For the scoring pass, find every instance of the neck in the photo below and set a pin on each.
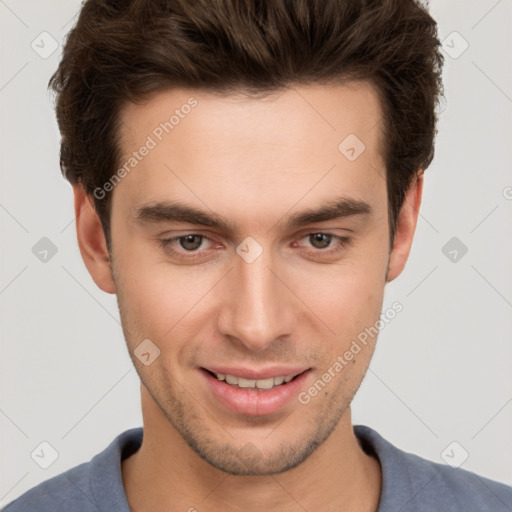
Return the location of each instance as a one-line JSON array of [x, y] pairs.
[[165, 474]]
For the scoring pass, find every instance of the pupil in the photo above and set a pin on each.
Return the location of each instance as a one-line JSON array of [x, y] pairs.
[[188, 239], [317, 237]]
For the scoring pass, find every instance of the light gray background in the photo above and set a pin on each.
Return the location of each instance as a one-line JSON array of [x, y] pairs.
[[442, 368]]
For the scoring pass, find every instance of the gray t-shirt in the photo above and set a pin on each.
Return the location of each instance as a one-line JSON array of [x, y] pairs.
[[409, 483]]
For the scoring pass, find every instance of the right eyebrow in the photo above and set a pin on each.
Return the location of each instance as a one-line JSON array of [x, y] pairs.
[[177, 212]]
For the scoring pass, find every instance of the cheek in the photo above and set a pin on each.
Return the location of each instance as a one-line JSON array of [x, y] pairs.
[[156, 302], [346, 296], [148, 299], [161, 301]]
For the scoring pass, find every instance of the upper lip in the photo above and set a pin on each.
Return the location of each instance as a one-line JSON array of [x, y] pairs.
[[257, 374]]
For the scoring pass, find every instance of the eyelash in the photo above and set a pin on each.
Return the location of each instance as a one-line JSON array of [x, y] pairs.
[[341, 243]]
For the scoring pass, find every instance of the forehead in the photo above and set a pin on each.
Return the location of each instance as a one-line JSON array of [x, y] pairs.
[[258, 152]]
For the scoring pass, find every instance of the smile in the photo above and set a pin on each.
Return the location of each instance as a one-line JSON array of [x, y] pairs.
[[262, 384], [254, 392]]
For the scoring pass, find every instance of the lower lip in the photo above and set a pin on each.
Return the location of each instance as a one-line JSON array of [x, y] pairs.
[[250, 400]]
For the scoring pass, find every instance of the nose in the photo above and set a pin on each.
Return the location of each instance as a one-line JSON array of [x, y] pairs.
[[257, 306]]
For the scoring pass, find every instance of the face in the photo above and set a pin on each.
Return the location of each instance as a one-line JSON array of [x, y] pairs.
[[219, 261]]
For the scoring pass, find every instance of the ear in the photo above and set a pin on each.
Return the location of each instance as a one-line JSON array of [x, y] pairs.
[[405, 228], [91, 241]]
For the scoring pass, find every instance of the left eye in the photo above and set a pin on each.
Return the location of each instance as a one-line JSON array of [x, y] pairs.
[[321, 238], [190, 242], [322, 243]]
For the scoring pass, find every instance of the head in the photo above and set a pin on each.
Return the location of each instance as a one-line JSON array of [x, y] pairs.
[[258, 114]]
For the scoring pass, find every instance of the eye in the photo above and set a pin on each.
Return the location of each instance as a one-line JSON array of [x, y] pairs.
[[190, 242], [322, 242], [188, 245], [322, 239]]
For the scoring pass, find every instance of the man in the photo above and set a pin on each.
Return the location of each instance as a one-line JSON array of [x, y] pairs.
[[247, 179]]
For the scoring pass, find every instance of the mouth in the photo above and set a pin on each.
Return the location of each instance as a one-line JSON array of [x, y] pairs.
[[259, 384], [251, 392]]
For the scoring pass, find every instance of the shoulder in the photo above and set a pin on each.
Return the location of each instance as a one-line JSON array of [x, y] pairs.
[[93, 486], [67, 491], [412, 483]]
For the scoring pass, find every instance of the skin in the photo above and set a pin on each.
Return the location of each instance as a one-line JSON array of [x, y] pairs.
[[254, 162]]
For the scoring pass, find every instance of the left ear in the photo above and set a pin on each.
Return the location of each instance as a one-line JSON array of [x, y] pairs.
[[405, 228]]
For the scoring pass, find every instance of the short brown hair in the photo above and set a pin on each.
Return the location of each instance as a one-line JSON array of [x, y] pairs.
[[126, 50]]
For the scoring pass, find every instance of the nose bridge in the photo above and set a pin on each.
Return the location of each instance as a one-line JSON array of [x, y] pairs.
[[256, 309]]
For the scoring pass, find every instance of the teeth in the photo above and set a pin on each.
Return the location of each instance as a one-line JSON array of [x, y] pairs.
[[245, 383], [252, 383], [231, 380], [265, 383]]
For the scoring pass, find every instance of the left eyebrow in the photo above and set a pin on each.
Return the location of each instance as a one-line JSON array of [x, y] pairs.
[[166, 211], [336, 209]]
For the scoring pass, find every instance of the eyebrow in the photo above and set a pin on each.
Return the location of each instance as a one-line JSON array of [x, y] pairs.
[[166, 211]]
